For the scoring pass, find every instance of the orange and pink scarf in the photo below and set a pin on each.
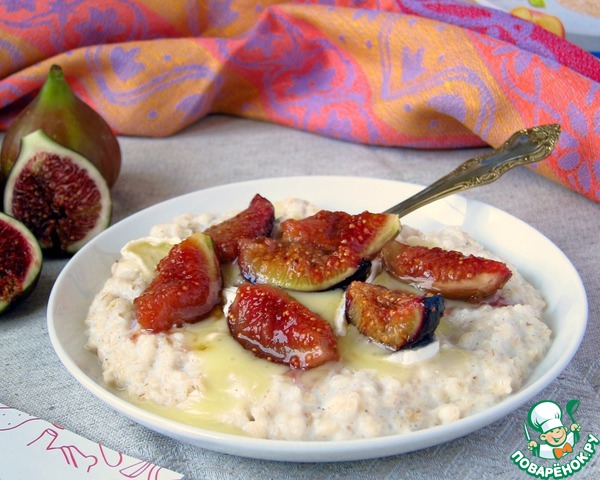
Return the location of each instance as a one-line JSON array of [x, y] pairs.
[[404, 73]]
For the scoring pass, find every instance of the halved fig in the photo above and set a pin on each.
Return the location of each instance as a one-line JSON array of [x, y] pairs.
[[68, 121], [451, 273], [255, 221], [297, 266], [395, 319], [20, 262], [58, 194], [273, 325], [186, 287], [364, 234]]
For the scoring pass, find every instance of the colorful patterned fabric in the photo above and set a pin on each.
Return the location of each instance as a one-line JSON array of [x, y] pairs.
[[406, 73]]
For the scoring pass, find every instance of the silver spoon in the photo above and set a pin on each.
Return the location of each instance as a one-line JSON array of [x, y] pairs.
[[523, 147]]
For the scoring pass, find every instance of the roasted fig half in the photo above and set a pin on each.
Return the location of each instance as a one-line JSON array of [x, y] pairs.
[[364, 234], [394, 319], [451, 273], [255, 221], [320, 252], [296, 266], [186, 287], [270, 323]]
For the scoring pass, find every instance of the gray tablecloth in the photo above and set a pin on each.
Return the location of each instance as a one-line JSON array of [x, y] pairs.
[[220, 150]]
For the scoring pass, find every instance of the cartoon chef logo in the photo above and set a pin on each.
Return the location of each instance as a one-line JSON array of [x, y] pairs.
[[555, 439], [549, 439]]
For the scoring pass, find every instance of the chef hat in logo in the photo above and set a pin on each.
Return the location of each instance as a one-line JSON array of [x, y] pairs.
[[545, 416]]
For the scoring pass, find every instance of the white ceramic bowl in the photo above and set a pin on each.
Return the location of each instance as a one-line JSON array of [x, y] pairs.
[[537, 258]]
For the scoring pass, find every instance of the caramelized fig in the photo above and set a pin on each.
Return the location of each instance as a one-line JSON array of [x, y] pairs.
[[326, 250], [20, 261], [454, 275], [273, 325], [186, 287], [57, 194], [395, 319], [67, 120], [296, 266], [365, 233], [255, 221]]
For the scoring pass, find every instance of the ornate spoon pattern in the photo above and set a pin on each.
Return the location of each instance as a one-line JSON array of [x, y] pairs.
[[523, 147]]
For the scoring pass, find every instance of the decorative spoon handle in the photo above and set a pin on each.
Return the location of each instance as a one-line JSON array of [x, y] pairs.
[[523, 147]]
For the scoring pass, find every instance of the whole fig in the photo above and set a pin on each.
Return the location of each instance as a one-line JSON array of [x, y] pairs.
[[67, 120]]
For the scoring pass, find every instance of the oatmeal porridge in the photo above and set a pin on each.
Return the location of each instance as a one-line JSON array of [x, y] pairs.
[[481, 353]]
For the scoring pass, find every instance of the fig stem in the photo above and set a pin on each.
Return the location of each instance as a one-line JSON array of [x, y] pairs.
[[56, 92]]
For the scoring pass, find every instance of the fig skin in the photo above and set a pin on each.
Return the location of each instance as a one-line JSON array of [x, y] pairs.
[[392, 318], [21, 262], [67, 120]]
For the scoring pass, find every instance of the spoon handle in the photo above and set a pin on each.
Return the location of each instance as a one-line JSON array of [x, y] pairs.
[[523, 147]]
